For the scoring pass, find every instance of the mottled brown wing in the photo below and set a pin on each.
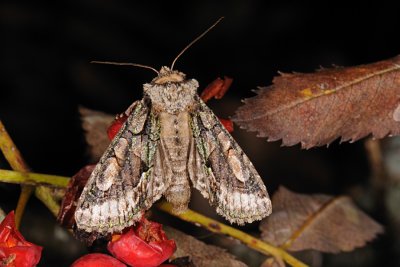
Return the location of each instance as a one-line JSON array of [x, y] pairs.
[[129, 177], [221, 171]]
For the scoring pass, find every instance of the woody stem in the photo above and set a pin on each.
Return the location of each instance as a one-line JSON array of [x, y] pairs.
[[14, 158], [217, 227]]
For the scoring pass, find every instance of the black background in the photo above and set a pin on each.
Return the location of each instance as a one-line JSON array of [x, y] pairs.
[[45, 75]]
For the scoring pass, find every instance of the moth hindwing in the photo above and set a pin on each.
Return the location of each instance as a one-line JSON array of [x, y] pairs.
[[170, 140]]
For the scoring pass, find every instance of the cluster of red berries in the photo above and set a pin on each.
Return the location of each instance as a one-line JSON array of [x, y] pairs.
[[144, 245]]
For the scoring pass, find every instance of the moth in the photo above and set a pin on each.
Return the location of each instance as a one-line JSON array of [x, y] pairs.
[[170, 140]]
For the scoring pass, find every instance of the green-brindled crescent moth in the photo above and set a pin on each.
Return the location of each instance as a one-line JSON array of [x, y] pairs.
[[170, 140]]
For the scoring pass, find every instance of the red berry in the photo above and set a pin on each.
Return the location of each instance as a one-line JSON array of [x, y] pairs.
[[15, 251], [97, 260], [145, 245]]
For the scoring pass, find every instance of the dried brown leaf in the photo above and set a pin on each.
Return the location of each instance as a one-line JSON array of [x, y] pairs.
[[319, 222], [202, 255], [95, 124], [316, 108]]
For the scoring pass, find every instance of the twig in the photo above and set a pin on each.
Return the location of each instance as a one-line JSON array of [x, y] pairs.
[[14, 158], [42, 183], [44, 194], [17, 163], [31, 178], [217, 227], [24, 196], [189, 215], [11, 152]]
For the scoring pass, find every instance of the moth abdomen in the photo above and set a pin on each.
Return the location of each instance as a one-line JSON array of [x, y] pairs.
[[178, 193]]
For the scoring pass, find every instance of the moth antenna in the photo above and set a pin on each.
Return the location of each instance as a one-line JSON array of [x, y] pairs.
[[194, 41], [126, 64]]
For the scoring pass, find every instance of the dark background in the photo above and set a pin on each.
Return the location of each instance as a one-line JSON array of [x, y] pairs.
[[45, 75]]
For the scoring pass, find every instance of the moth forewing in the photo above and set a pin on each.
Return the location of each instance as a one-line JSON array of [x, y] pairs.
[[170, 138], [226, 174], [123, 183]]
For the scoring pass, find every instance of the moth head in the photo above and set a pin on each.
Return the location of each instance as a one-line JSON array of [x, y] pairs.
[[166, 75], [171, 92]]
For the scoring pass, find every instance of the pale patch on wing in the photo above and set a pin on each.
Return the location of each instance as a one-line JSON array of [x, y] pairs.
[[236, 166], [224, 141], [110, 173], [139, 118], [243, 208], [110, 216], [120, 149]]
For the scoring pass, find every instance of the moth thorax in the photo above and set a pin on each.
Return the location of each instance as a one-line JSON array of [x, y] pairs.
[[172, 97]]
